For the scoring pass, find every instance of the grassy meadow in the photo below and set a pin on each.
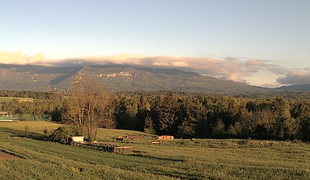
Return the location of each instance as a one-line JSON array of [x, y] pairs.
[[9, 99], [178, 159]]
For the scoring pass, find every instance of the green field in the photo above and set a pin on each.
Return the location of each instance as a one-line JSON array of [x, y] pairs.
[[178, 159]]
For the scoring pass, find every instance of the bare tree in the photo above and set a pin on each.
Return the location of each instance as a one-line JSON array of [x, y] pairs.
[[87, 106]]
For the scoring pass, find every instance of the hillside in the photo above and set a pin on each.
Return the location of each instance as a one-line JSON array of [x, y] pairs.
[[33, 78], [305, 87], [118, 78]]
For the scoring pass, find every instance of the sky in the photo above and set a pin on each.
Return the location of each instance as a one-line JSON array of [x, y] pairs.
[[263, 43]]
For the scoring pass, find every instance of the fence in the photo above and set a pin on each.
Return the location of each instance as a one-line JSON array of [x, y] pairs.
[[105, 147]]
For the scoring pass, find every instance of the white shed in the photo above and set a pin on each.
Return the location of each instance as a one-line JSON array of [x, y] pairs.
[[78, 139]]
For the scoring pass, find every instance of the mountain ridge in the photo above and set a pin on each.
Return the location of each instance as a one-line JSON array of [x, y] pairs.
[[302, 87], [118, 78]]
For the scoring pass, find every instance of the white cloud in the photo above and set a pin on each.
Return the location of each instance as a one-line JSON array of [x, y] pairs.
[[255, 62], [20, 58], [179, 64], [161, 64]]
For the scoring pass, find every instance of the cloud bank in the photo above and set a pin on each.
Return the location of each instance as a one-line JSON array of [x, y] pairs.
[[296, 78], [20, 58], [251, 71], [227, 69]]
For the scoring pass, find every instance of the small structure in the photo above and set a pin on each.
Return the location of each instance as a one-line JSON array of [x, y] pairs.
[[5, 114], [134, 137], [6, 120], [105, 147], [76, 139], [164, 137], [120, 138], [5, 117]]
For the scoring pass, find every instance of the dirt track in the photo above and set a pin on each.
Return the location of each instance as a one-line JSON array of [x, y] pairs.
[[4, 156]]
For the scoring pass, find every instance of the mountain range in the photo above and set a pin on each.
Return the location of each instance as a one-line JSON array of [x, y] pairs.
[[119, 78]]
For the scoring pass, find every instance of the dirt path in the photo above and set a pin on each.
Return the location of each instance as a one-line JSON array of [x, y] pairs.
[[4, 156]]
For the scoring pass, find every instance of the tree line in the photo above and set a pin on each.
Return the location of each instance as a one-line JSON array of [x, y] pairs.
[[214, 116], [181, 115], [32, 94]]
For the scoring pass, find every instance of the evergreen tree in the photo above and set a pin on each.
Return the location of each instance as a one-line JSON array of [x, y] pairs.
[[167, 115]]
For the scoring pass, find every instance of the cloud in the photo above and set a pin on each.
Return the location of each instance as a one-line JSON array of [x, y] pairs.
[[255, 62], [277, 69], [295, 78], [231, 59], [251, 71], [180, 64], [20, 58], [161, 64], [228, 70]]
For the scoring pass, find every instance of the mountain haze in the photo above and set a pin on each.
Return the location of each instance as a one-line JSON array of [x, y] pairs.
[[117, 78], [304, 87]]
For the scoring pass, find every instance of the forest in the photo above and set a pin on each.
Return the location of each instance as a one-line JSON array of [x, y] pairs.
[[183, 115]]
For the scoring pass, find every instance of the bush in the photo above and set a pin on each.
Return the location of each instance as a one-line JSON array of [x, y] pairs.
[[63, 133], [26, 117]]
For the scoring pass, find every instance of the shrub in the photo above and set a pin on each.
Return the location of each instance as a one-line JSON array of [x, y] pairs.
[[63, 133], [46, 132]]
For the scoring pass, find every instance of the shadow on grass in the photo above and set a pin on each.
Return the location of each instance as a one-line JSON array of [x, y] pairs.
[[9, 153], [23, 134]]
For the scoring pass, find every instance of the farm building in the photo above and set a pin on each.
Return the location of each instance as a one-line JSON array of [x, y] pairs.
[[165, 138], [76, 139], [5, 116]]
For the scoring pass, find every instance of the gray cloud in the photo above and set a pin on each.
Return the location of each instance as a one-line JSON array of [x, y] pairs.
[[295, 78], [277, 70], [231, 59]]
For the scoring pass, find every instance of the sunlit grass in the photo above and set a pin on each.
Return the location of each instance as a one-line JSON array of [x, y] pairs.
[[178, 159], [9, 99], [31, 126]]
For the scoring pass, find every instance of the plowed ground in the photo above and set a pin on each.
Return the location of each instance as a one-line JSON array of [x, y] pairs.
[[4, 156]]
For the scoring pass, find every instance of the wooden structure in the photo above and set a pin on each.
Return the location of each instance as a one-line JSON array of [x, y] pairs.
[[165, 137], [105, 147], [135, 137]]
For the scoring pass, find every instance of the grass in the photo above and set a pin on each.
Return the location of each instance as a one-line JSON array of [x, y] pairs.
[[178, 159], [9, 99]]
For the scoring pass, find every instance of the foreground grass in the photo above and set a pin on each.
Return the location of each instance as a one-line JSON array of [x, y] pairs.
[[179, 159]]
